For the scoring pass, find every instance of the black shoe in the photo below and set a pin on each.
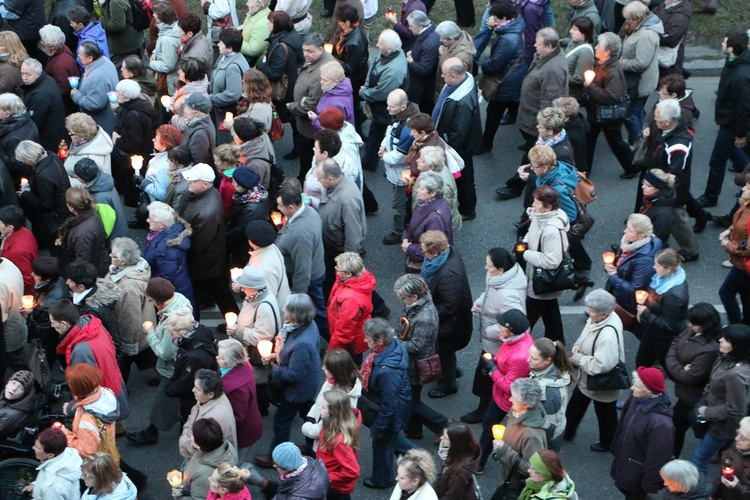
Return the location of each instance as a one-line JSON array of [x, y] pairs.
[[706, 202], [393, 239], [440, 393], [413, 436], [599, 447], [465, 217], [722, 220], [149, 435], [474, 417], [629, 174], [264, 461], [326, 14], [700, 222], [736, 169], [487, 147], [459, 373], [291, 155], [583, 285], [508, 119], [153, 381], [506, 193], [382, 314], [686, 257], [369, 483]]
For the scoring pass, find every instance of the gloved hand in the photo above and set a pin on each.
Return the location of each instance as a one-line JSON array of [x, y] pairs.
[[488, 366], [137, 179]]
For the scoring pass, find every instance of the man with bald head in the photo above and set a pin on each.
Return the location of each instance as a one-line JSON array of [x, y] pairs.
[[457, 121]]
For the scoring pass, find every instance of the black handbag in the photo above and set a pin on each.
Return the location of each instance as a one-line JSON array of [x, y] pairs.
[[507, 491], [613, 112], [616, 379], [545, 281], [584, 221]]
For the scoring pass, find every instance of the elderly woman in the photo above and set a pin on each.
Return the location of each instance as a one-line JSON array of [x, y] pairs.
[[599, 348], [256, 30], [283, 57], [416, 470], [633, 266], [419, 336], [167, 243], [226, 81], [155, 181], [195, 45], [105, 480], [606, 89], [249, 203], [15, 126], [131, 272], [164, 58], [737, 281], [61, 63], [432, 158], [432, 213], [456, 43], [88, 140], [337, 93], [663, 316], [13, 55], [683, 480], [739, 456], [256, 99], [60, 473], [199, 136], [639, 61], [99, 77], [296, 365], [424, 134], [350, 305], [579, 52], [644, 437], [82, 235], [525, 432], [211, 402], [193, 74]]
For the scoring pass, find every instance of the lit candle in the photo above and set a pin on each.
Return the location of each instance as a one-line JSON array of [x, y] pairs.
[[27, 301], [521, 247], [641, 296], [57, 425], [231, 319], [588, 76], [727, 471], [264, 348], [148, 325], [276, 218], [235, 272], [328, 47], [390, 14], [166, 101], [112, 95], [229, 118], [175, 478], [24, 183], [73, 80], [498, 431], [608, 257], [137, 162], [487, 355]]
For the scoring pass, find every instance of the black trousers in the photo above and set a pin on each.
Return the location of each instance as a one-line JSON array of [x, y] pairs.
[[581, 259], [515, 182], [465, 16], [421, 414], [680, 412], [466, 189], [305, 149], [549, 312], [374, 137], [652, 348], [606, 414], [618, 145], [448, 363], [495, 112], [216, 290], [143, 361]]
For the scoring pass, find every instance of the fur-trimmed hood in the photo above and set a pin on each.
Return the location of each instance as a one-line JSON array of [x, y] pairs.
[[187, 231], [105, 294]]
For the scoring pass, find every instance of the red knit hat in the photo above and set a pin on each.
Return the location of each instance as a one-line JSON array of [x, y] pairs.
[[332, 119], [652, 378]]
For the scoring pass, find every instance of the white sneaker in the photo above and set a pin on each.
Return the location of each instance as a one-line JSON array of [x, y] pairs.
[[727, 264]]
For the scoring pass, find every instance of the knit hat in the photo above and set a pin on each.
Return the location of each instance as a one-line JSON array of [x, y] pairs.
[[654, 181], [287, 456], [332, 119], [514, 320], [246, 177], [160, 289], [537, 463], [198, 102], [25, 378], [86, 169], [199, 172], [261, 233], [252, 277], [652, 378]]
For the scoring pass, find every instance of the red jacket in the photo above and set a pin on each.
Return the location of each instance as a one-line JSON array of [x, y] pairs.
[[512, 363], [226, 190], [349, 306], [341, 461], [21, 249]]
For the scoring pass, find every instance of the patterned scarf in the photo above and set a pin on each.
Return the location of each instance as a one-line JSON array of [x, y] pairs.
[[367, 366], [554, 140], [256, 195]]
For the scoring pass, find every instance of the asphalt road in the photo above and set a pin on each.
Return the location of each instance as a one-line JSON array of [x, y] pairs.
[[493, 227]]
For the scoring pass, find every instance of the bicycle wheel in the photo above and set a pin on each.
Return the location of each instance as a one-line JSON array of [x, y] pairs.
[[15, 474]]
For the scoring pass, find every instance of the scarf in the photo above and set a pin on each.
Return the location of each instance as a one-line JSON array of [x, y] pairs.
[[255, 195], [431, 267], [405, 114], [367, 366], [413, 154], [152, 235], [628, 247], [424, 203], [531, 489], [663, 284], [296, 472], [554, 140]]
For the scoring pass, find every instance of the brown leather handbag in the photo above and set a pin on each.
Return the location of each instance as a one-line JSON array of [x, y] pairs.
[[428, 369]]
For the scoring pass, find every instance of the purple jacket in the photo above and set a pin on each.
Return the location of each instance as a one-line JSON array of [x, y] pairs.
[[340, 97], [402, 27], [239, 386], [532, 12], [435, 215]]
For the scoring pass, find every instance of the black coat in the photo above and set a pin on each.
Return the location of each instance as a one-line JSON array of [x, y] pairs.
[[700, 353], [7, 188], [206, 257], [196, 350], [425, 54], [283, 60], [58, 16], [84, 240], [242, 215], [460, 125], [354, 54], [578, 128], [13, 130], [451, 295], [136, 128], [44, 102], [660, 209], [38, 320], [44, 203], [666, 315], [673, 154], [732, 107], [30, 17]]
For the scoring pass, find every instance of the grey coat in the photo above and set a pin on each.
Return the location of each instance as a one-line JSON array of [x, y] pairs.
[[342, 213], [639, 55], [99, 78], [200, 139], [387, 73], [301, 242], [700, 353], [308, 87], [422, 336], [726, 398], [546, 80], [199, 47], [226, 84]]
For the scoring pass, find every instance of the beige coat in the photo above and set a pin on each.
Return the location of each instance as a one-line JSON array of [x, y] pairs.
[[605, 357], [463, 48], [133, 308], [219, 409], [551, 230]]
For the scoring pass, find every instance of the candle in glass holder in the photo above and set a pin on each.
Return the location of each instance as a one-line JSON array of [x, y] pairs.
[[521, 246], [148, 325], [498, 431], [588, 76], [265, 347], [137, 162], [276, 218], [166, 101], [390, 14], [328, 47], [27, 301], [24, 184], [235, 272], [73, 80], [231, 319], [174, 478], [609, 258], [487, 355], [641, 296], [727, 471], [57, 425], [112, 95], [229, 118]]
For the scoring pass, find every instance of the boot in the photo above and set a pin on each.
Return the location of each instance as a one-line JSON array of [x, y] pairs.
[[476, 416]]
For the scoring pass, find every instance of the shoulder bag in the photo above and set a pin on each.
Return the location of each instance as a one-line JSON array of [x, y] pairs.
[[584, 221], [489, 84], [279, 88], [545, 281], [613, 112], [616, 379], [252, 351], [428, 369]]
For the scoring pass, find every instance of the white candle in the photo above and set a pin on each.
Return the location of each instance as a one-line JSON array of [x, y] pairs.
[[148, 325], [175, 478], [265, 347], [27, 301], [166, 101], [588, 76], [328, 47], [231, 319], [24, 183], [235, 272], [137, 162], [73, 80]]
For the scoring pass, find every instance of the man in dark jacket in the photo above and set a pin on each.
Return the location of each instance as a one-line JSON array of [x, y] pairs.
[[352, 51], [732, 114], [207, 257], [44, 103], [457, 121], [15, 126], [422, 61]]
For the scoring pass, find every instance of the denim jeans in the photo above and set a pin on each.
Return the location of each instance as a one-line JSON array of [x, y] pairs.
[[482, 38], [315, 291], [383, 447], [707, 449], [723, 150], [636, 116], [282, 420], [494, 415], [736, 282]]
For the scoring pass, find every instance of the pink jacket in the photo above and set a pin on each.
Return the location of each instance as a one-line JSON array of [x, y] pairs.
[[512, 363]]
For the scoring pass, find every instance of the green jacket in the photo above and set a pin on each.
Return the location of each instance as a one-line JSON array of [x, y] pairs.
[[255, 33], [564, 490], [117, 21], [160, 340]]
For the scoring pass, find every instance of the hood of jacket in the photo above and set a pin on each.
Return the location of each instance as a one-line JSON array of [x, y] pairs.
[[104, 183], [26, 403], [177, 234], [260, 146], [149, 86], [197, 87], [564, 489], [552, 377], [465, 88], [341, 89], [534, 417], [105, 294], [173, 30], [141, 271], [558, 218], [103, 405], [141, 105], [464, 43], [293, 41], [224, 453], [660, 404], [66, 465], [178, 302], [564, 172], [653, 23], [14, 122], [363, 284], [125, 490], [664, 197], [101, 144], [394, 356], [310, 483], [200, 338], [514, 278], [349, 135]]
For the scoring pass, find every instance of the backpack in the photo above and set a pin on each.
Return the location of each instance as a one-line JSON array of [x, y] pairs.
[[106, 444], [277, 177], [143, 13]]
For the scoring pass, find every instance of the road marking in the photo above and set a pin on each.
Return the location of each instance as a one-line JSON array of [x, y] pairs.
[[571, 310]]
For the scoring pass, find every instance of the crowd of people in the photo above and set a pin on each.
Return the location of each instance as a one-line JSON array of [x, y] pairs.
[[101, 113]]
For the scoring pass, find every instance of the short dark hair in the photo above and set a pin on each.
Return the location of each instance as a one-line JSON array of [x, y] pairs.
[[707, 318], [501, 258], [83, 273], [207, 434], [736, 40], [135, 65], [503, 10], [421, 122], [739, 337], [585, 26], [64, 310], [194, 69], [675, 84], [290, 196], [190, 23], [180, 156], [166, 12], [210, 381], [80, 15], [281, 22], [232, 38], [11, 215], [328, 141], [91, 49], [347, 12], [548, 196], [53, 441], [47, 268], [248, 129]]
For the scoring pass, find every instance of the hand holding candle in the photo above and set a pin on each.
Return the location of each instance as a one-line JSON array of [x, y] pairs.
[[148, 325], [498, 431], [166, 101], [174, 478], [641, 296], [276, 218], [608, 257], [137, 162], [235, 273], [73, 80], [588, 76], [521, 247], [727, 471], [24, 184], [27, 302], [228, 119], [231, 319], [265, 347], [112, 96]]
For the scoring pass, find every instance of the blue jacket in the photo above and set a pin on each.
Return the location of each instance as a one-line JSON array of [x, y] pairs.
[[506, 49], [389, 387], [93, 32], [564, 179], [299, 364], [633, 273], [167, 254]]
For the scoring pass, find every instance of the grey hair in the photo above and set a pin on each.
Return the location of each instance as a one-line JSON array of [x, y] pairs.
[[611, 43], [411, 285], [315, 39], [12, 104], [210, 381], [52, 35], [448, 29], [379, 329], [434, 156], [529, 390], [432, 182], [130, 89], [745, 425], [158, 211], [549, 37], [234, 353], [669, 109], [551, 118], [300, 307], [34, 64], [683, 473], [635, 11], [391, 40], [29, 152], [330, 168], [600, 301], [180, 322], [418, 18], [127, 250]]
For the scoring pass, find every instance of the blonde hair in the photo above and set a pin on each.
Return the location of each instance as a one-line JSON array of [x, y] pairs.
[[341, 422], [660, 174], [641, 225], [180, 322], [419, 465], [81, 124], [105, 472], [543, 155], [232, 477], [334, 70], [228, 154], [350, 262], [635, 11], [16, 50]]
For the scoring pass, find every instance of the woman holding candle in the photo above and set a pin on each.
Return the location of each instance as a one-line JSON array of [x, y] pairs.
[[459, 452], [432, 213], [658, 201], [16, 125], [88, 140], [734, 484], [256, 31], [61, 62], [337, 93], [134, 68], [49, 287], [60, 472], [250, 203], [192, 74], [734, 240], [155, 181], [227, 78], [226, 160], [256, 99], [265, 255], [579, 53]]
